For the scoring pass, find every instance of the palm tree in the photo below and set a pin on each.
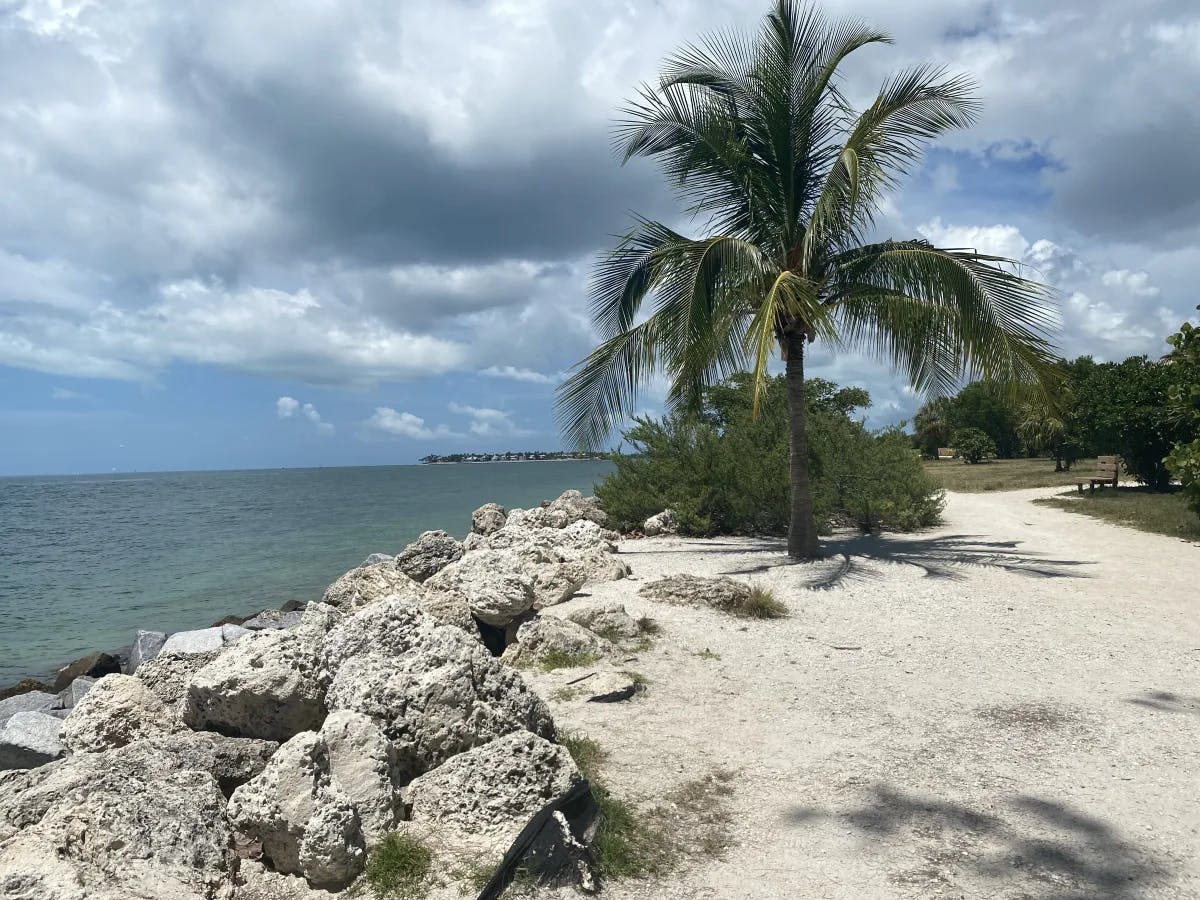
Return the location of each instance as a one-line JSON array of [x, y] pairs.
[[765, 149]]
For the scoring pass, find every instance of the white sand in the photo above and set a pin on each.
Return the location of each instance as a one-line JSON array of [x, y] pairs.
[[1022, 719]]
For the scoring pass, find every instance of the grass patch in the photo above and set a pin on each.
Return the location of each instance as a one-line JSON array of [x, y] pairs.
[[563, 659], [1157, 512], [398, 867], [691, 820], [761, 604], [1005, 474]]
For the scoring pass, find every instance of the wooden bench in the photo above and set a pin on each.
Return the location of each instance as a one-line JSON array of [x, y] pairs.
[[945, 453], [1108, 471]]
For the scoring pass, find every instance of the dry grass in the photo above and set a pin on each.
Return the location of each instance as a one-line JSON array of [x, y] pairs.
[[1160, 513], [1005, 474], [761, 604]]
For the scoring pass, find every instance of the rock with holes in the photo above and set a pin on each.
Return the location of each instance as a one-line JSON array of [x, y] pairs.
[[479, 801], [428, 555], [488, 518], [265, 686], [362, 765], [550, 639], [306, 826], [609, 620], [230, 761], [29, 739], [118, 710], [588, 550], [663, 523], [693, 590], [169, 674], [123, 825], [497, 585], [568, 508], [433, 690], [369, 584]]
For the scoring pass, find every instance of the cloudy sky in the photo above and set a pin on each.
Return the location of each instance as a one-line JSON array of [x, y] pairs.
[[328, 232]]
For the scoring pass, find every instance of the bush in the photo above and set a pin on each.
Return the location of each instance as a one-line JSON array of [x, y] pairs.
[[1184, 396], [725, 471], [972, 445]]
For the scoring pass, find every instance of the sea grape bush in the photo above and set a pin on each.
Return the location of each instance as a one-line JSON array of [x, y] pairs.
[[972, 445]]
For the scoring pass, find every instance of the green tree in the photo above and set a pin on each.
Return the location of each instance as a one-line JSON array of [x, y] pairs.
[[1184, 397], [763, 146], [988, 407], [931, 426], [972, 445]]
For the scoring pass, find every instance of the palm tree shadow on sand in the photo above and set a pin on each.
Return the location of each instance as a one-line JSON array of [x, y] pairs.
[[858, 557]]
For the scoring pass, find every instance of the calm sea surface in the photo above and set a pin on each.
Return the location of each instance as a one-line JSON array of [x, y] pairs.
[[87, 560]]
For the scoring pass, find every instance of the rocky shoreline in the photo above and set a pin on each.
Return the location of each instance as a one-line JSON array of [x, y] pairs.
[[269, 757]]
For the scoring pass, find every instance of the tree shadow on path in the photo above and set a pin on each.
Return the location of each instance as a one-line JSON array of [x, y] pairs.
[[1041, 849]]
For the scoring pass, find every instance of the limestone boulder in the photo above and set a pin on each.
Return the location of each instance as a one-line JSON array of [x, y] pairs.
[[662, 523], [589, 549], [546, 637], [488, 518], [433, 690], [169, 674], [304, 824], [362, 766], [273, 619], [146, 645], [122, 825], [265, 686], [479, 801], [428, 555], [609, 620], [498, 585], [118, 710], [230, 761], [568, 508], [369, 584], [722, 592], [30, 739]]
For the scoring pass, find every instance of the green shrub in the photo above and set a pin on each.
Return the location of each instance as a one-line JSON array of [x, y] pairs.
[[972, 445], [1184, 397], [724, 470], [398, 867], [761, 604]]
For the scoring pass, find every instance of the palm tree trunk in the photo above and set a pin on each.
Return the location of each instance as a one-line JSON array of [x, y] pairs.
[[802, 534]]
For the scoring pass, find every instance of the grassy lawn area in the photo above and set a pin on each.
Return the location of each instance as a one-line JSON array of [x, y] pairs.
[[1005, 474], [1136, 507]]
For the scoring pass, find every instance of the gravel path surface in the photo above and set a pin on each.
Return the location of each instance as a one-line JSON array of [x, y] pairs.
[[1007, 706]]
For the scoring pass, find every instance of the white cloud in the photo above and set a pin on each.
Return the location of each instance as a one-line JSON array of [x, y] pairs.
[[285, 407], [1136, 283], [515, 373], [487, 422], [405, 424], [60, 393], [997, 240], [310, 413]]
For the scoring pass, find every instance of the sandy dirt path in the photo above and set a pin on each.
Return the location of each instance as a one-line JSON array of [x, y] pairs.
[[1007, 706]]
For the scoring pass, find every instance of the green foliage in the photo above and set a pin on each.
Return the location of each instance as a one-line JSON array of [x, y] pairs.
[[986, 407], [931, 426], [724, 470], [972, 445], [1184, 396], [398, 867], [564, 659], [1123, 408]]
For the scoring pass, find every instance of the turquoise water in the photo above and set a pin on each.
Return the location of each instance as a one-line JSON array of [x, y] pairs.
[[87, 560]]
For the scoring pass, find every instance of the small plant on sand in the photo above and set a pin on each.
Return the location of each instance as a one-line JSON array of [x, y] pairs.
[[760, 604], [707, 653], [587, 753], [564, 659], [397, 868]]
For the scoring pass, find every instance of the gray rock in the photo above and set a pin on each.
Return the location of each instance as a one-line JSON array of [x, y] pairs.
[[488, 518], [75, 691], [273, 619], [377, 558], [265, 687], [34, 701], [231, 761], [610, 687], [570, 507], [203, 640], [500, 585], [30, 739], [119, 710], [433, 690], [663, 523], [428, 555], [589, 549], [114, 826], [146, 646], [168, 675], [543, 636], [609, 620]]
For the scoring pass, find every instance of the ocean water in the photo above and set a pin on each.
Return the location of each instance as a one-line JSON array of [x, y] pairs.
[[87, 560]]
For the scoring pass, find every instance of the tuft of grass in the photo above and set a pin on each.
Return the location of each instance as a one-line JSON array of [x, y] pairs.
[[611, 633], [587, 753], [1005, 474], [563, 659], [565, 694], [649, 626], [398, 867], [707, 653], [1157, 512], [761, 604]]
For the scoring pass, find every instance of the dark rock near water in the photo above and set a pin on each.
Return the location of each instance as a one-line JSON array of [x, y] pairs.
[[228, 620], [24, 686], [94, 665], [293, 606]]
